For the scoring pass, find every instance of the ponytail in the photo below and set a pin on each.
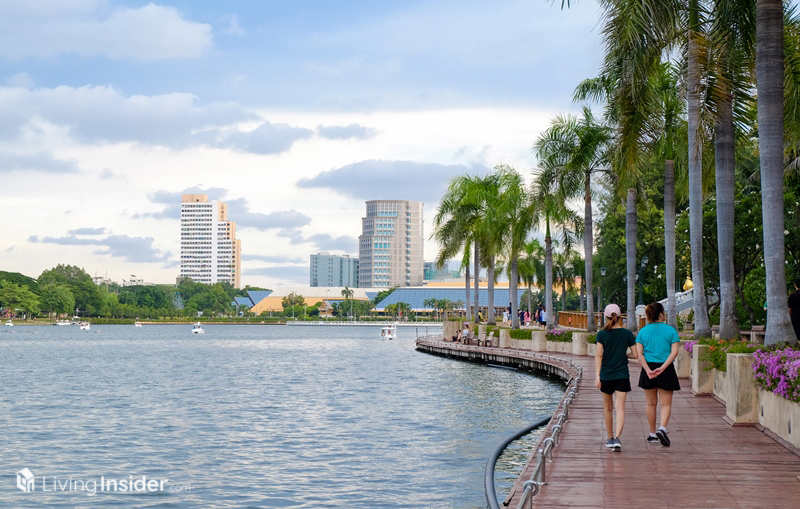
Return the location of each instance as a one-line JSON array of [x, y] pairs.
[[612, 321]]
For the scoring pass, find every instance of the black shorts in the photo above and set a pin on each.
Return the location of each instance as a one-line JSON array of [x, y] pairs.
[[618, 385], [667, 381]]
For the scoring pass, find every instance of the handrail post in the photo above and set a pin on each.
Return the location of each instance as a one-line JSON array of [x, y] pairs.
[[539, 478]]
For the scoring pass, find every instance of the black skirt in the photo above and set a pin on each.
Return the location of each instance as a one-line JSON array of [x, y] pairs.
[[668, 380]]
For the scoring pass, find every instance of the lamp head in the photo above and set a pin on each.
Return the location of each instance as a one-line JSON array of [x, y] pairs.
[[645, 259], [603, 271]]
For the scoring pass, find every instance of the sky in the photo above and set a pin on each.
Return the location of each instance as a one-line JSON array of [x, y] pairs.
[[292, 112]]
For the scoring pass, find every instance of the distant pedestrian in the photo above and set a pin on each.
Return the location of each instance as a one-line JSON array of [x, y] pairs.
[[794, 308], [615, 345], [527, 317], [657, 345], [543, 316]]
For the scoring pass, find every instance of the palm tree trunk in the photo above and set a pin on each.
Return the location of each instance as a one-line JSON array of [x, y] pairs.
[[702, 328], [583, 288], [563, 293], [631, 232], [490, 287], [466, 287], [478, 285], [769, 83], [669, 238], [588, 251], [725, 159], [512, 293], [548, 276]]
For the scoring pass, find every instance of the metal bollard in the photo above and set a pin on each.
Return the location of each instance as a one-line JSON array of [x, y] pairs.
[[534, 490], [539, 477]]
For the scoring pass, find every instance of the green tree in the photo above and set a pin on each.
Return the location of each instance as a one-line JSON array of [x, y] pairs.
[[57, 299], [573, 150], [86, 294], [16, 297]]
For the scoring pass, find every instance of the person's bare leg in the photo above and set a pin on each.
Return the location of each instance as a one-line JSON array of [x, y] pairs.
[[666, 405], [608, 405], [651, 397], [619, 406]]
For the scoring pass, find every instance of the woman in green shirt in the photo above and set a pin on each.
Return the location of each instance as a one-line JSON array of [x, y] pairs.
[[614, 348], [657, 345]]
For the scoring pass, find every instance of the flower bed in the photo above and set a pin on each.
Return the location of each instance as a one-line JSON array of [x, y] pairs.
[[592, 339], [778, 371], [719, 349], [560, 335]]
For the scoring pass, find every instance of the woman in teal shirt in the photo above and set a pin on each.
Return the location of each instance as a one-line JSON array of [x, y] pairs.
[[657, 344]]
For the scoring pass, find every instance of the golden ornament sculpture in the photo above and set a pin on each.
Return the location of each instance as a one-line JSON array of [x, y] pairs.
[[688, 285]]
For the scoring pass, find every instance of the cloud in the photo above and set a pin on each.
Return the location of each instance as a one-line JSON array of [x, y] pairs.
[[39, 161], [103, 113], [345, 132], [130, 249], [87, 231], [10, 248], [109, 174], [238, 210], [266, 139], [271, 258], [231, 23], [145, 33], [380, 179]]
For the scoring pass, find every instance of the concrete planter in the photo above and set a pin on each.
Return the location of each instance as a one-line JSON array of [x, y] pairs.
[[450, 329], [683, 362], [591, 349], [702, 380], [780, 416], [559, 346], [580, 342], [741, 393], [505, 338], [720, 384], [539, 341]]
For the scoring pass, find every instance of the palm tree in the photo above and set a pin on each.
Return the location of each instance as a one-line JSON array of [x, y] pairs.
[[554, 215], [431, 303], [531, 267], [573, 149], [513, 224], [769, 83], [348, 293]]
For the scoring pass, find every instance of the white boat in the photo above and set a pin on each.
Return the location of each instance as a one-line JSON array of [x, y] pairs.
[[389, 332], [62, 322], [137, 324], [9, 323], [85, 326], [196, 329]]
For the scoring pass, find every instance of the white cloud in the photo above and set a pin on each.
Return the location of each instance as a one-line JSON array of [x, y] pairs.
[[86, 28], [39, 161]]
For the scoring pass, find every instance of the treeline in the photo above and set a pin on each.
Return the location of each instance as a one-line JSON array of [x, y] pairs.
[[68, 290]]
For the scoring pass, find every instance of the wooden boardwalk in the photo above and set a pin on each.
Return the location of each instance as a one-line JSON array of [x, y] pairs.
[[709, 464]]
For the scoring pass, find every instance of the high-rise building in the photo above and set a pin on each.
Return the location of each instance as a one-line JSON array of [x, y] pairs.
[[390, 245], [210, 251], [334, 270]]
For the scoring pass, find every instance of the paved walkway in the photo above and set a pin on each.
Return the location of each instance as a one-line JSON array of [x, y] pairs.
[[709, 464]]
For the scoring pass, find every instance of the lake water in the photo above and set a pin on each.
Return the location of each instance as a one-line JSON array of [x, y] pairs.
[[253, 416]]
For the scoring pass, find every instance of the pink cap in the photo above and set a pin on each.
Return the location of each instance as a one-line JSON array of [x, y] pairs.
[[612, 309]]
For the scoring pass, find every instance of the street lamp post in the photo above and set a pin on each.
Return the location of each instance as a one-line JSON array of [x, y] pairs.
[[640, 277], [600, 297]]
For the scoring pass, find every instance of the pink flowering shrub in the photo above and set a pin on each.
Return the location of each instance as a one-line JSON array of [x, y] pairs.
[[689, 346], [778, 371], [564, 336]]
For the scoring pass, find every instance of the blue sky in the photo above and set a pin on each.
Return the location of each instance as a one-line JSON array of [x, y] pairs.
[[294, 112]]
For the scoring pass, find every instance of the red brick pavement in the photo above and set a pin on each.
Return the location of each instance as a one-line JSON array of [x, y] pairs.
[[709, 464]]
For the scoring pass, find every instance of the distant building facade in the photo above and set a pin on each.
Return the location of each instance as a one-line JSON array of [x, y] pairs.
[[390, 250], [433, 273], [210, 251], [333, 270]]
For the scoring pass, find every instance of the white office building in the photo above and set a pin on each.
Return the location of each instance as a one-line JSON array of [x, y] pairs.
[[210, 251], [333, 270], [390, 245]]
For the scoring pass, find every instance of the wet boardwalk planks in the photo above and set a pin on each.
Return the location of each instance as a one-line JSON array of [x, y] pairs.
[[709, 465]]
